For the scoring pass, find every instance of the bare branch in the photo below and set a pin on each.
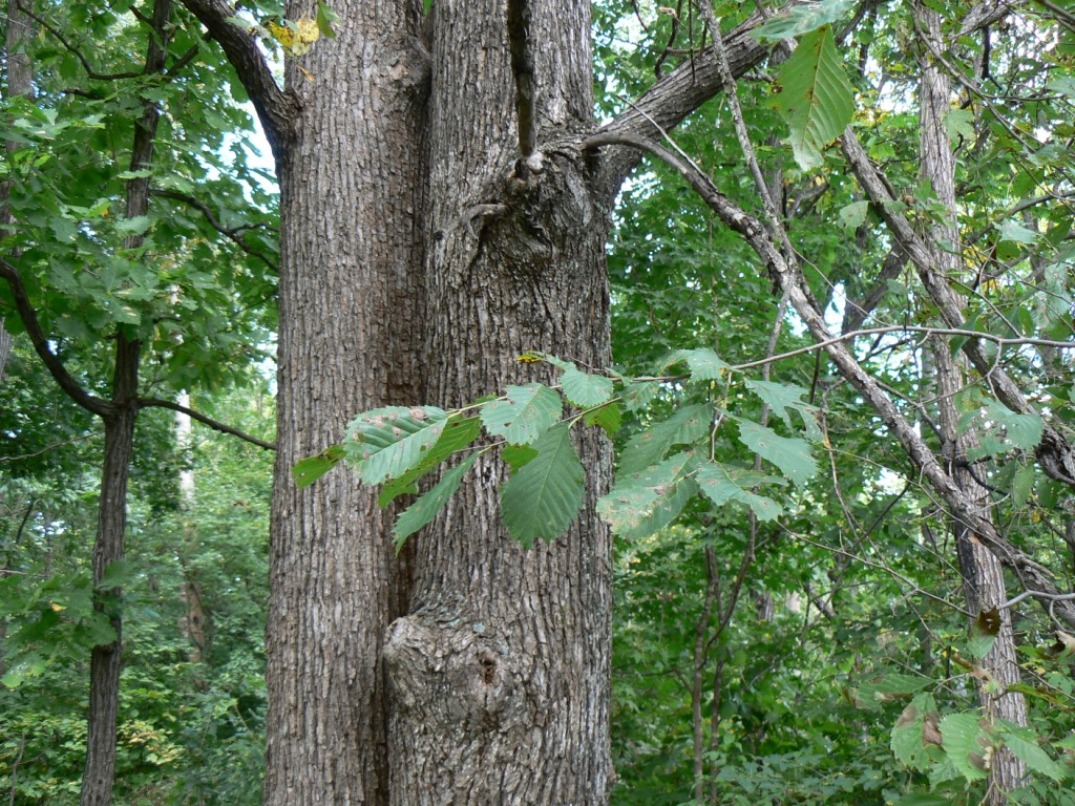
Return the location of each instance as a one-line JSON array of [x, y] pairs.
[[28, 315], [276, 108], [216, 425]]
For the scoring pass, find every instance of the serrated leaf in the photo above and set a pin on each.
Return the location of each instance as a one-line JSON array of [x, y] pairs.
[[959, 123], [1023, 430], [887, 687], [816, 99], [791, 455], [585, 390], [799, 20], [608, 417], [688, 425], [309, 470], [425, 509], [543, 498], [1027, 750], [116, 575], [961, 733], [133, 226], [719, 487], [517, 456], [458, 433], [703, 363], [385, 443], [523, 414], [783, 396], [1012, 230], [641, 503]]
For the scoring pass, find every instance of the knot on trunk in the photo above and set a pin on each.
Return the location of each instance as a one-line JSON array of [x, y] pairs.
[[448, 673]]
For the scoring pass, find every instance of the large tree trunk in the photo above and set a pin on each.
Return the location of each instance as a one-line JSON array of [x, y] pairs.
[[500, 672], [983, 575], [351, 184]]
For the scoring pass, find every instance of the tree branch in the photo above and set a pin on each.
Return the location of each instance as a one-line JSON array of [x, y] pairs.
[[1055, 452], [232, 233], [69, 46], [216, 425], [276, 108], [28, 315], [786, 272]]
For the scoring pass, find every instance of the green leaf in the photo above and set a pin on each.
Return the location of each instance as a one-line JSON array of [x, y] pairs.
[[718, 485], [703, 363], [543, 498], [908, 741], [783, 396], [853, 216], [959, 123], [608, 417], [791, 455], [1025, 748], [586, 390], [523, 414], [425, 509], [309, 470], [642, 503], [133, 226], [385, 443], [1023, 430], [686, 426], [961, 734], [799, 20], [639, 394], [887, 687], [1012, 230], [326, 17], [116, 575], [816, 99], [516, 456], [458, 433]]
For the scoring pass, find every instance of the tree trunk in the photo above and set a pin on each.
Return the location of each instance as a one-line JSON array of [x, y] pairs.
[[20, 81], [119, 421], [983, 576], [351, 184]]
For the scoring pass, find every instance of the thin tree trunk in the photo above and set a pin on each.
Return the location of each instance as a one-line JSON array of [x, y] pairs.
[[194, 618], [99, 773], [20, 82], [983, 576]]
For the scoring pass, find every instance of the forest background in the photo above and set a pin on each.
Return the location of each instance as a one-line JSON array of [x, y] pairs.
[[800, 614]]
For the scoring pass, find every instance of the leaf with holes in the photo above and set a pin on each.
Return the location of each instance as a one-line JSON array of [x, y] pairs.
[[309, 470], [385, 443], [523, 414], [643, 502], [458, 433], [783, 396], [720, 487], [791, 455], [543, 497]]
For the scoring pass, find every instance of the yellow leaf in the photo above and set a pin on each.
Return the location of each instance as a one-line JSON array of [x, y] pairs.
[[56, 607]]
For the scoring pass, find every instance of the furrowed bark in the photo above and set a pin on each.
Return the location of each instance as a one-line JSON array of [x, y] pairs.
[[351, 194], [500, 672]]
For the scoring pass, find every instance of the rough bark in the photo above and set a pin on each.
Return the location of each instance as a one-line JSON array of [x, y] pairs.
[[500, 671], [119, 421], [983, 575], [350, 284]]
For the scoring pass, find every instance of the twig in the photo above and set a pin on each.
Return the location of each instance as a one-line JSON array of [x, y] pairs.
[[154, 402]]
